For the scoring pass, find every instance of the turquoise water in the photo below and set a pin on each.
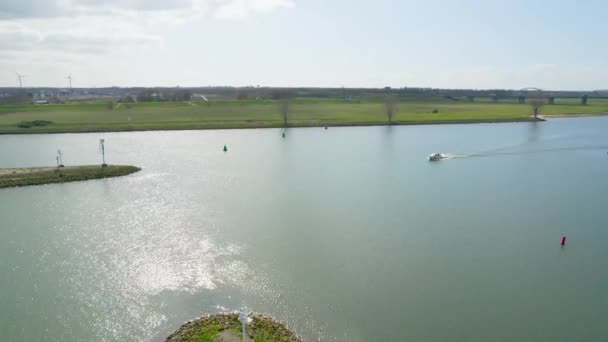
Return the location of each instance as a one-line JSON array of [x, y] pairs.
[[348, 234]]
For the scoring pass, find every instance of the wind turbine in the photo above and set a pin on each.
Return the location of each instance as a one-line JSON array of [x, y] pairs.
[[70, 78], [19, 76]]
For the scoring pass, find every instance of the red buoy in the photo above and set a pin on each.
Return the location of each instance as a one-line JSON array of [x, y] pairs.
[[563, 240]]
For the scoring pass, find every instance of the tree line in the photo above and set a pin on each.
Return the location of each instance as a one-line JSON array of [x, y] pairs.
[[164, 95]]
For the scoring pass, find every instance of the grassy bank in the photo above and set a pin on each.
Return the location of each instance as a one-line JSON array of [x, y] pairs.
[[258, 114], [218, 328], [47, 175]]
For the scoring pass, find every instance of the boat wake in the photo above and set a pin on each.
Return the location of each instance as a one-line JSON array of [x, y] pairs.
[[447, 156]]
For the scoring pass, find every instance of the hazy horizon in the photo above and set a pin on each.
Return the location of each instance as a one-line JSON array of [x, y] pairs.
[[294, 43], [294, 87]]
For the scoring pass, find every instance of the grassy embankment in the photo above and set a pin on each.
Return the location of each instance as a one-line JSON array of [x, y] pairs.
[[218, 328], [47, 175], [93, 117]]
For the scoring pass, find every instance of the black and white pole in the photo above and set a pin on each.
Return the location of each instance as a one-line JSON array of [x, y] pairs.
[[244, 318], [102, 148], [59, 158]]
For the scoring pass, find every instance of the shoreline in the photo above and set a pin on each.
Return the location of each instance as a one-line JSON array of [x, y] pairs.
[[193, 127], [574, 115], [262, 125], [30, 176]]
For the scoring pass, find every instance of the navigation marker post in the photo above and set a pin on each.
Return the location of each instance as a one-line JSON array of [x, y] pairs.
[[102, 148], [59, 158], [244, 318]]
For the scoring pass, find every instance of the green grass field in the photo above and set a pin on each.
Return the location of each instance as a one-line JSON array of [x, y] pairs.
[[251, 114]]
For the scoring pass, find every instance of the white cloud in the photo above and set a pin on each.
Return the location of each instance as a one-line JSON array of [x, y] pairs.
[[88, 39], [235, 9], [67, 27], [23, 9], [15, 36]]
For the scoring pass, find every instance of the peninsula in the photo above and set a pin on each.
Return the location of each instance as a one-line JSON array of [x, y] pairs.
[[15, 177]]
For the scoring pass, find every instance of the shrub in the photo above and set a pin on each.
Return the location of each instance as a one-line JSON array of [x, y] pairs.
[[35, 123]]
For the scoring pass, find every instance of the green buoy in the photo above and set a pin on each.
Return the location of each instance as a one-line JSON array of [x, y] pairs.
[[283, 134], [225, 148]]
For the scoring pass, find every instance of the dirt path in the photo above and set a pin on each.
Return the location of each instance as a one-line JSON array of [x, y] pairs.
[[25, 170], [230, 336]]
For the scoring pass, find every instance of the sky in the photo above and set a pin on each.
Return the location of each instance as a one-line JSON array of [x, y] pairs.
[[476, 44]]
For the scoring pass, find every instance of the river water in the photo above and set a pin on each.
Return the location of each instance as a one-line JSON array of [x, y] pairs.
[[345, 234]]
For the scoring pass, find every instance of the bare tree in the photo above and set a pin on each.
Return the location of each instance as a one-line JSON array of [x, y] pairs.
[[390, 106], [284, 109], [284, 97], [536, 100], [242, 94]]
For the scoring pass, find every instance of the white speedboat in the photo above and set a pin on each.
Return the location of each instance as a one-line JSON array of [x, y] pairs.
[[435, 157]]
